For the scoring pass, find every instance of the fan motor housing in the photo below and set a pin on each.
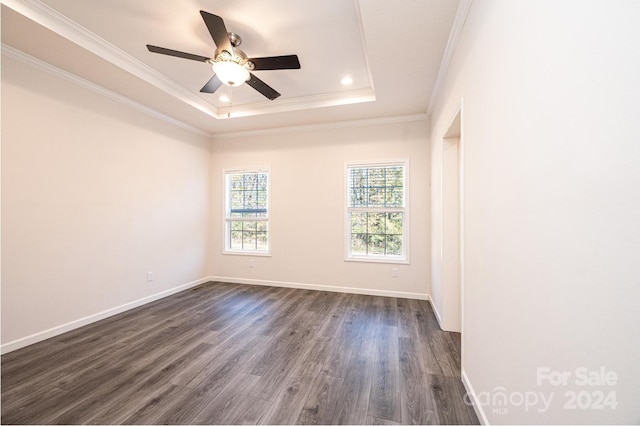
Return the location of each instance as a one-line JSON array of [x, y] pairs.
[[238, 55]]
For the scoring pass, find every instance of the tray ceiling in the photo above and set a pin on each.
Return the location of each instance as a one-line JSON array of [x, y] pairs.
[[392, 50]]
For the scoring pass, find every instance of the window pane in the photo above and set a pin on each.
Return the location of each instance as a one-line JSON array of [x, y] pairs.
[[395, 176], [394, 223], [376, 196], [236, 240], [237, 182], [371, 189], [358, 197], [359, 244], [262, 199], [394, 245], [261, 226], [376, 223], [376, 177], [377, 245], [358, 187], [261, 240], [250, 201], [394, 197], [237, 199], [237, 203], [249, 240], [376, 187], [359, 177], [358, 223], [247, 197], [250, 181], [263, 182]]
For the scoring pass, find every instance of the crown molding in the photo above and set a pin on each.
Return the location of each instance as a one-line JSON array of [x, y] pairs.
[[23, 57], [72, 31], [16, 54], [458, 23], [19, 55], [295, 104], [324, 126]]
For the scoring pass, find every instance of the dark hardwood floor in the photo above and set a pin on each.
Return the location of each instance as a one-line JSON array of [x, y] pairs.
[[229, 354]]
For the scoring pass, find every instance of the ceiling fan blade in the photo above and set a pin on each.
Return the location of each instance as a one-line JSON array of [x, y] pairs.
[[262, 87], [218, 31], [287, 62], [212, 85], [177, 53]]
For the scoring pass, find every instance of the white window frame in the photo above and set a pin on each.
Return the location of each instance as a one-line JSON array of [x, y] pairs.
[[404, 259], [227, 219]]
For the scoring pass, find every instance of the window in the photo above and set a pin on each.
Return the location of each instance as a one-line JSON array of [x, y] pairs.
[[377, 219], [247, 212]]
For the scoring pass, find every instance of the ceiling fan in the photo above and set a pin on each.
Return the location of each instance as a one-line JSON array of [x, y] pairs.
[[231, 65]]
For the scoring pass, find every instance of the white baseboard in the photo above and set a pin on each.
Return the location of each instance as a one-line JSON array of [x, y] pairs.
[[60, 329], [319, 287], [55, 331], [435, 311], [477, 407]]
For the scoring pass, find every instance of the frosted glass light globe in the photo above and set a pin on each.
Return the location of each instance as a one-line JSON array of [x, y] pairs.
[[230, 73]]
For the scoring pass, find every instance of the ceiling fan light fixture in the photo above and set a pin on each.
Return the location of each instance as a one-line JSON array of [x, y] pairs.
[[231, 65], [231, 73]]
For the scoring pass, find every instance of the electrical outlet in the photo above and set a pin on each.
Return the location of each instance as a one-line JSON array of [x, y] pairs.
[[149, 277], [251, 264], [395, 273]]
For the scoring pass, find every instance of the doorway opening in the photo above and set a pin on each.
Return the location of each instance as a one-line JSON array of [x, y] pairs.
[[452, 226]]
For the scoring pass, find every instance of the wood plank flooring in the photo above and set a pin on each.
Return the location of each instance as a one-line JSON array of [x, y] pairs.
[[236, 354]]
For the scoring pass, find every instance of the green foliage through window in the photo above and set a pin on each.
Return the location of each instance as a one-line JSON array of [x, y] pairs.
[[376, 210], [247, 203]]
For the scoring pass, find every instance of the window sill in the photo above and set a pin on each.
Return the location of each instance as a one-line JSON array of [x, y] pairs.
[[401, 261], [247, 253]]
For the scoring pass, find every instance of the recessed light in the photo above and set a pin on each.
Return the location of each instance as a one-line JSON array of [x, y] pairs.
[[346, 81], [224, 98]]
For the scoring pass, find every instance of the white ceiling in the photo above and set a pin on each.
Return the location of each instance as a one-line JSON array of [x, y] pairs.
[[392, 49]]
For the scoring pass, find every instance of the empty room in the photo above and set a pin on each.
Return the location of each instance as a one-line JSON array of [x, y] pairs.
[[320, 212]]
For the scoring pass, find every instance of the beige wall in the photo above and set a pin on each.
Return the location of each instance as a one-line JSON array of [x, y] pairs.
[[94, 195], [552, 201], [308, 207]]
